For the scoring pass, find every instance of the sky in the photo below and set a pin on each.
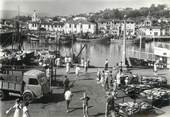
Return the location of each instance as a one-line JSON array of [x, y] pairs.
[[70, 7]]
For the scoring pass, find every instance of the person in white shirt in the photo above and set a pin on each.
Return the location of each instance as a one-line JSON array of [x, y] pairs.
[[77, 70], [17, 108], [68, 95], [82, 62], [70, 60], [67, 67], [118, 77], [25, 110], [66, 59], [85, 66]]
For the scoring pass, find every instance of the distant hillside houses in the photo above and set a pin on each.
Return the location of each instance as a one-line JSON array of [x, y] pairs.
[[153, 31], [116, 27], [154, 27], [46, 26], [149, 26], [79, 26], [75, 25]]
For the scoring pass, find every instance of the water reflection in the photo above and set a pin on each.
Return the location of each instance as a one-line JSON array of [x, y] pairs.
[[96, 52]]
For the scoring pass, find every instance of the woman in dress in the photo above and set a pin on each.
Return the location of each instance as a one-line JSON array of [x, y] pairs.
[[25, 110], [17, 107]]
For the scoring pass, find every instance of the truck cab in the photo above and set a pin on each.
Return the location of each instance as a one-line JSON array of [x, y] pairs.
[[35, 85]]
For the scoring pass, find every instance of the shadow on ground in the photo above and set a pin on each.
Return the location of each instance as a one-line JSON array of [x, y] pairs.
[[77, 108], [53, 98], [98, 114]]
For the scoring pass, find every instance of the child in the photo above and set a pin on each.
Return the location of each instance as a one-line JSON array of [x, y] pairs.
[[85, 100]]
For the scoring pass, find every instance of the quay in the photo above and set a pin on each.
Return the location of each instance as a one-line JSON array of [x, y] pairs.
[[56, 105], [144, 38]]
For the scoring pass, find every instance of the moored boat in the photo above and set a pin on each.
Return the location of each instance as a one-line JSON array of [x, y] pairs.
[[97, 38], [65, 39]]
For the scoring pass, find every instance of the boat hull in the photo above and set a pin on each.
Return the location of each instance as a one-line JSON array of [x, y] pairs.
[[93, 40]]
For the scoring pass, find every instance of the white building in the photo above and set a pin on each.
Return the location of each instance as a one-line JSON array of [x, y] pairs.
[[48, 26], [79, 26], [152, 30], [164, 54], [130, 27], [111, 26], [33, 25]]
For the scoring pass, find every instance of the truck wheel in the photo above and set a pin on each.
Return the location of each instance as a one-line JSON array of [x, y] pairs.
[[28, 97]]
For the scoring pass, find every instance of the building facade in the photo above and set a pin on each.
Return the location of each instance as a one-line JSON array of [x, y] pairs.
[[79, 26], [152, 31], [130, 27], [109, 26]]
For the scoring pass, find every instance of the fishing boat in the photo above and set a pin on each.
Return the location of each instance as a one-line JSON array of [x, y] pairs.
[[34, 39], [65, 39], [96, 38]]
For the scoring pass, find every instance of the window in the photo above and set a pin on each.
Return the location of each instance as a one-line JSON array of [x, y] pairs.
[[89, 26], [74, 25], [81, 26], [69, 25], [33, 81], [155, 33]]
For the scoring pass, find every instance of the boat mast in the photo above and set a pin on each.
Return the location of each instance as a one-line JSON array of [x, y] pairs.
[[18, 28]]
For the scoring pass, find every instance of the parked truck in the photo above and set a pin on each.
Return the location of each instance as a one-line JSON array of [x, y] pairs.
[[33, 85]]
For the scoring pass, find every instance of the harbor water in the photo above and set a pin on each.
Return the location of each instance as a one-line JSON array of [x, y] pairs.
[[96, 52]]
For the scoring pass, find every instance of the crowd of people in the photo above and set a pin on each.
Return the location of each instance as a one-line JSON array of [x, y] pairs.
[[110, 80], [68, 97], [21, 109]]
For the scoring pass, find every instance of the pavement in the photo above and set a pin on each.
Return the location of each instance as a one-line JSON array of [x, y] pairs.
[[55, 105]]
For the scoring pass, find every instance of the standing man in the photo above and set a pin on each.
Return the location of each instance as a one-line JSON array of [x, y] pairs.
[[109, 105], [67, 68], [82, 62], [155, 67], [77, 71], [106, 65], [68, 95], [118, 77], [85, 66], [66, 84], [85, 100]]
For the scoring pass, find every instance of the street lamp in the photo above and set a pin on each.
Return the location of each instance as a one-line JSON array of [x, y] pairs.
[[124, 45]]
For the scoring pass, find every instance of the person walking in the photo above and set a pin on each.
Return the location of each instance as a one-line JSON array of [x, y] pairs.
[[66, 84], [106, 81], [85, 66], [17, 107], [118, 77], [155, 67], [106, 65], [109, 105], [77, 70], [68, 95], [82, 62], [98, 76], [58, 62], [25, 110], [67, 67], [102, 80], [85, 100]]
